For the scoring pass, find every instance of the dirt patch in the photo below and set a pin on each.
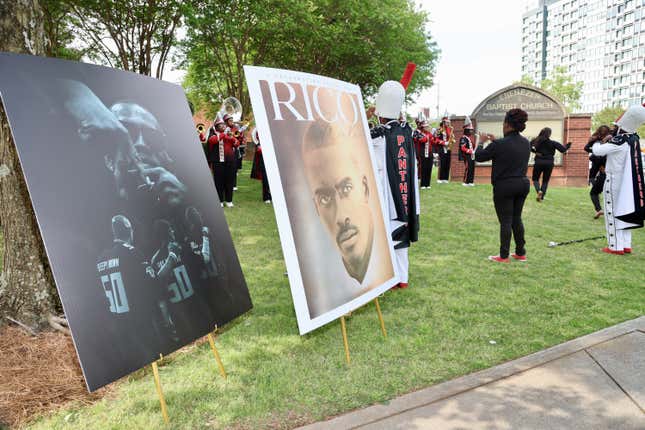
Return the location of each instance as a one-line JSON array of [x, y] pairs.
[[38, 374]]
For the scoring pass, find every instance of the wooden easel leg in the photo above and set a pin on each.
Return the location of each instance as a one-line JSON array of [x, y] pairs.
[[211, 341], [344, 330], [380, 317], [162, 401]]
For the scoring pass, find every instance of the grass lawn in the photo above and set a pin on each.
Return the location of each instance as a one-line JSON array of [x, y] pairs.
[[439, 328]]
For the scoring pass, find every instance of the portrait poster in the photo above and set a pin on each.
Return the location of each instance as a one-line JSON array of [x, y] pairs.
[[326, 197], [137, 242]]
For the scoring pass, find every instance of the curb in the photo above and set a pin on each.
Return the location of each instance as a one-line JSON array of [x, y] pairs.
[[441, 391]]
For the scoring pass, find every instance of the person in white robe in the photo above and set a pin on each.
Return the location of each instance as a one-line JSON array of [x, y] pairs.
[[624, 189]]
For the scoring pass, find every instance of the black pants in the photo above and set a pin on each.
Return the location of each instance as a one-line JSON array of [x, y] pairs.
[[597, 185], [426, 170], [542, 168], [444, 165], [509, 196], [469, 173], [224, 175], [594, 169], [266, 192]]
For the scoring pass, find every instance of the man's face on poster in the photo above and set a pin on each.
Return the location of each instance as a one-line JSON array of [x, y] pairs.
[[341, 194], [149, 145]]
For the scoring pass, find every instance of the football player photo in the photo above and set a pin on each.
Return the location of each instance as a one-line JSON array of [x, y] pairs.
[[137, 241]]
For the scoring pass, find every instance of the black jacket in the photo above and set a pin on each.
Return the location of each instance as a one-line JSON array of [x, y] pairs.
[[595, 159], [510, 156], [546, 150]]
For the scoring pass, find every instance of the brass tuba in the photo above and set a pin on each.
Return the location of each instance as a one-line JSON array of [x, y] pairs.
[[232, 107]]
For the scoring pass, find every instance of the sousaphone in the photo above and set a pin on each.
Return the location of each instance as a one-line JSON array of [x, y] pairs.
[[232, 107]]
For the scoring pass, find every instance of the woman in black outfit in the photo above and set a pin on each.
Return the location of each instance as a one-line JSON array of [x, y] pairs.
[[510, 156], [544, 149], [597, 172]]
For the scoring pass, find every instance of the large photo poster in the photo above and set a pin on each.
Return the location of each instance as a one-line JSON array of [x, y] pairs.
[[315, 140], [138, 244]]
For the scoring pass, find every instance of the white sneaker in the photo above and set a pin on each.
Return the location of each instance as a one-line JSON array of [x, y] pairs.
[[229, 204], [268, 202], [464, 184], [234, 188], [471, 185]]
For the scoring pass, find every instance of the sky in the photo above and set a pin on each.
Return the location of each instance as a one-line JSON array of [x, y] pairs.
[[480, 43]]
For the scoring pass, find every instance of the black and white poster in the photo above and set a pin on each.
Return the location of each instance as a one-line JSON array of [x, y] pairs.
[[138, 244]]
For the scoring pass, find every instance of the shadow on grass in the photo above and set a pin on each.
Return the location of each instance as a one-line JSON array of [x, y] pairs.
[[570, 393]]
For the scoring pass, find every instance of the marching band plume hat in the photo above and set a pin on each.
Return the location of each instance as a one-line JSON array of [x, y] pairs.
[[633, 117], [389, 99]]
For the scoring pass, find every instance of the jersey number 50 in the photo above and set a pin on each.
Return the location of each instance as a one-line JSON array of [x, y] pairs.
[[115, 292], [182, 289]]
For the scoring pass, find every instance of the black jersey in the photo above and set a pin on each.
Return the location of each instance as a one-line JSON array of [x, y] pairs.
[[172, 273], [200, 258], [126, 279], [400, 162]]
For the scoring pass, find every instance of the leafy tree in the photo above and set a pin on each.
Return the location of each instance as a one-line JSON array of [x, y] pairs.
[[58, 25], [134, 35], [526, 79], [361, 41], [608, 115], [561, 84]]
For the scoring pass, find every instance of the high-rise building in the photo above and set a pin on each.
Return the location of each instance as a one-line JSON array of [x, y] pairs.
[[600, 42]]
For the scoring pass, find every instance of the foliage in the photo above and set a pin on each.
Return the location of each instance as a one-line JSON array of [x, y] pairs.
[[134, 35], [362, 41], [439, 328], [526, 79], [610, 114], [58, 24], [606, 116], [561, 85]]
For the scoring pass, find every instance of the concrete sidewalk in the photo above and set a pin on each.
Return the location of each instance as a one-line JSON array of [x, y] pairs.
[[593, 382]]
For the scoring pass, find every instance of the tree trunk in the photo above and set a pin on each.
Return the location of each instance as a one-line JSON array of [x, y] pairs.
[[27, 291]]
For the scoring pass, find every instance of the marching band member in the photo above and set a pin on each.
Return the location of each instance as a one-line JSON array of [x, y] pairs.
[[203, 140], [238, 133], [624, 188], [221, 147], [443, 139], [423, 143], [467, 147], [395, 157], [258, 171]]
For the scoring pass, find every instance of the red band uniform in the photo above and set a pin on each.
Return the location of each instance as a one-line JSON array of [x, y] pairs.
[[258, 171], [222, 158], [467, 147], [423, 141], [443, 141]]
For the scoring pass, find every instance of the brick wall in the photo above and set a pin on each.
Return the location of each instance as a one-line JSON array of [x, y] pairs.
[[575, 163]]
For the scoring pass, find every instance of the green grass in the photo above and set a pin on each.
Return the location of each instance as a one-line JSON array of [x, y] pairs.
[[439, 328]]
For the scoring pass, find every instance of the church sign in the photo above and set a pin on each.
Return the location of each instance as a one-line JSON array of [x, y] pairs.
[[539, 105]]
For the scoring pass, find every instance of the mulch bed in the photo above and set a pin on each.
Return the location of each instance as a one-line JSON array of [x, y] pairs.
[[38, 374]]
